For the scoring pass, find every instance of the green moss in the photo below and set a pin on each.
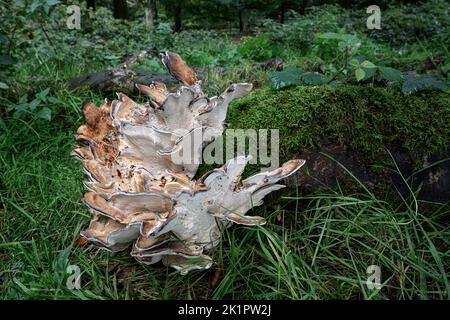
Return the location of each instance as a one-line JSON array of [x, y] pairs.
[[368, 120]]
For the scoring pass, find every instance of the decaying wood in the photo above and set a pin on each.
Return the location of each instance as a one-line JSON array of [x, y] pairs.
[[277, 64], [110, 80], [122, 77]]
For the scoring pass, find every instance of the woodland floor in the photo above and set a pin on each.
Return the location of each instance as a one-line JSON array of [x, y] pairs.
[[315, 245]]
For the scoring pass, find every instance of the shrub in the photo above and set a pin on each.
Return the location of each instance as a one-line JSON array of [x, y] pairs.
[[260, 48]]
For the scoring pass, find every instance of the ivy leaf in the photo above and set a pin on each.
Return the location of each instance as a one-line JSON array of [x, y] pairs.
[[288, 77], [359, 74], [419, 82]]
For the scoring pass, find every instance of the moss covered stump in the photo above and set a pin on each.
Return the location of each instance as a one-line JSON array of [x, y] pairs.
[[369, 130]]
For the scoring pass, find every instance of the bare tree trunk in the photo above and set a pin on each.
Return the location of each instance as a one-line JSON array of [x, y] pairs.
[[177, 17], [155, 11], [91, 4], [120, 8], [282, 11], [243, 21], [149, 14], [303, 7]]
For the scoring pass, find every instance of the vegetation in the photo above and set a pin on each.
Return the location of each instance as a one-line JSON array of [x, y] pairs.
[[369, 89]]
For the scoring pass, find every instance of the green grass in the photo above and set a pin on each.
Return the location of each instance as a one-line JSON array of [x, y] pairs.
[[313, 247]]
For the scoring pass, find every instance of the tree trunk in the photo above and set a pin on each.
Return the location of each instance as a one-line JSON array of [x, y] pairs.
[[243, 21], [282, 11], [149, 14], [303, 7], [177, 17], [91, 4], [120, 8], [155, 11]]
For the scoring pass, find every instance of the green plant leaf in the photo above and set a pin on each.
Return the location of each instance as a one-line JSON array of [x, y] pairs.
[[3, 38], [52, 2], [369, 73], [54, 100], [313, 78], [60, 264], [354, 63], [3, 86], [390, 74], [44, 113], [7, 59], [34, 5], [359, 74], [41, 95], [33, 104], [288, 77], [367, 64], [419, 82], [259, 48], [328, 35]]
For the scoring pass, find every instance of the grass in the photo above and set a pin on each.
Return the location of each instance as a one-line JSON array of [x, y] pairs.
[[313, 247], [323, 245]]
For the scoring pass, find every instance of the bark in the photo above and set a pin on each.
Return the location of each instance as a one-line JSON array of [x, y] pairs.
[[149, 14], [91, 4], [303, 7], [121, 77], [282, 11], [111, 80], [324, 167], [120, 9], [155, 11], [271, 64], [177, 17], [243, 21]]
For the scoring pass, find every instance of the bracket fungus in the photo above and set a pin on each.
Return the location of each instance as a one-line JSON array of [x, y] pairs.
[[140, 197]]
